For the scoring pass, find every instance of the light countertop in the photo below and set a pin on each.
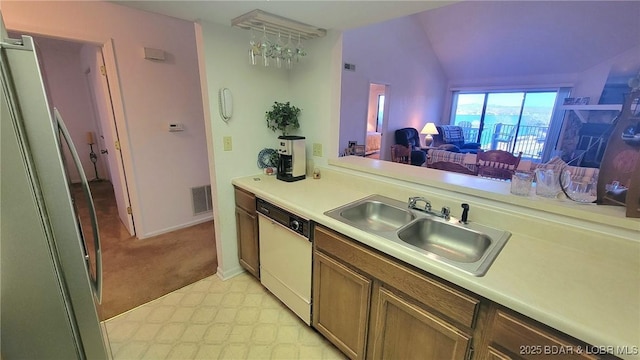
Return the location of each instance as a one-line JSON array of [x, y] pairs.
[[574, 267]]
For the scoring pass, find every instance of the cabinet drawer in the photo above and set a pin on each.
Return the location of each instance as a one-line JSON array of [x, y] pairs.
[[245, 200], [450, 302], [529, 340]]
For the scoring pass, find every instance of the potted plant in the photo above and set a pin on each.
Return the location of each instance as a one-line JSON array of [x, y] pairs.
[[283, 117]]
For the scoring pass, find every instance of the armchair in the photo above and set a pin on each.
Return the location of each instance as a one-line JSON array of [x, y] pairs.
[[410, 138], [453, 135]]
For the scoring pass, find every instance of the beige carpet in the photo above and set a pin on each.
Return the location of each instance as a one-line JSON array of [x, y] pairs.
[[138, 271]]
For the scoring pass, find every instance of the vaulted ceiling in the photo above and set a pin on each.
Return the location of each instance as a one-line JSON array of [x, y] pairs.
[[480, 39], [486, 39]]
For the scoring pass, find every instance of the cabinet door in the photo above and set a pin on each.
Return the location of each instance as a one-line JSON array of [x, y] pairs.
[[404, 330], [340, 305], [521, 338], [495, 354], [248, 252]]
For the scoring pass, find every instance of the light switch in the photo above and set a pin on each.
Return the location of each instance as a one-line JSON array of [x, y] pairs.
[[226, 143], [317, 149]]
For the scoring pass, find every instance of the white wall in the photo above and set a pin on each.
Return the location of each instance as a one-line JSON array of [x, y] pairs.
[[69, 93], [398, 54], [161, 166], [254, 89], [314, 85]]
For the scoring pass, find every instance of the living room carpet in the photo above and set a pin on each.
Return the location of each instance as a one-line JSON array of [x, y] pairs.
[[137, 271]]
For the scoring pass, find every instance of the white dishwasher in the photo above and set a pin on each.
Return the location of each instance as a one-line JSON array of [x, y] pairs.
[[285, 257]]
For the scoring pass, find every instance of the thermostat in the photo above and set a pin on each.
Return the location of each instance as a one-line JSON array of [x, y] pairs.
[[176, 127]]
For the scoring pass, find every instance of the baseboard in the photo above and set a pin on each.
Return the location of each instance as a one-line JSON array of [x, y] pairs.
[[230, 273], [174, 228]]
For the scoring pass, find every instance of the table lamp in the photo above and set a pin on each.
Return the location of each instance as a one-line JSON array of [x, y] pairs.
[[429, 129]]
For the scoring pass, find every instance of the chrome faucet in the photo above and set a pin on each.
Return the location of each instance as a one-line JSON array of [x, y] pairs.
[[445, 212], [414, 200]]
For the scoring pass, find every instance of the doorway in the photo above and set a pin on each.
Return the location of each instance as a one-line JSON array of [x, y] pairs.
[[135, 271], [76, 82], [376, 116]]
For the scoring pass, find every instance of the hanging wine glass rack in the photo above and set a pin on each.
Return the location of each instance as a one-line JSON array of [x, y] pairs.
[[259, 20]]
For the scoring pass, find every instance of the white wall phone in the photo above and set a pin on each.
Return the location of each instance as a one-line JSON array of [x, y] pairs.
[[225, 102]]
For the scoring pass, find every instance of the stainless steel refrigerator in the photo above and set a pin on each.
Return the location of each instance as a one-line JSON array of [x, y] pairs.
[[50, 278]]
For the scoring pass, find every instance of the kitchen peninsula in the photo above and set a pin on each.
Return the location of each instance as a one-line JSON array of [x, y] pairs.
[[573, 267]]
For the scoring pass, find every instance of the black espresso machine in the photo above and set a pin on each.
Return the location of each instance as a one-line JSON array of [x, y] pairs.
[[292, 165]]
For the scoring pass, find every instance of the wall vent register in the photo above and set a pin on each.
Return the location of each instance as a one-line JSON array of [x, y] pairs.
[[201, 198]]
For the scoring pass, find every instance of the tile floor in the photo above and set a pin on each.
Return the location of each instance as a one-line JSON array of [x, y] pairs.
[[215, 319]]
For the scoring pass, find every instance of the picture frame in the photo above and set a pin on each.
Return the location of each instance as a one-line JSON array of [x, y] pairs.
[[358, 150], [351, 148]]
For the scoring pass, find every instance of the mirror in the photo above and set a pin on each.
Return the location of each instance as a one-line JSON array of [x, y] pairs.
[[591, 47]]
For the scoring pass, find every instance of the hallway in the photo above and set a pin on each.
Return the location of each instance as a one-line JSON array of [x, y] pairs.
[[138, 271]]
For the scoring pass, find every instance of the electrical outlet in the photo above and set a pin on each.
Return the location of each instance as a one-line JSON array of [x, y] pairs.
[[317, 149], [226, 143]]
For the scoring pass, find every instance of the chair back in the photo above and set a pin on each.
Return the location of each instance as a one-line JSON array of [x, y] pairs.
[[451, 166], [400, 154], [497, 164]]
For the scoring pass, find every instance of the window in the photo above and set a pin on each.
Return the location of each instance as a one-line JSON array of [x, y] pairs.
[[513, 121]]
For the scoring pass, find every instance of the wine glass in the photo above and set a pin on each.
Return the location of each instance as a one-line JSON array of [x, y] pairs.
[[265, 47], [288, 53], [299, 52], [277, 51], [254, 48]]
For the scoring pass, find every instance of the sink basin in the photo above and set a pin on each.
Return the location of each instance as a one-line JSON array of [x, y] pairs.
[[378, 216], [375, 213], [471, 247], [450, 241]]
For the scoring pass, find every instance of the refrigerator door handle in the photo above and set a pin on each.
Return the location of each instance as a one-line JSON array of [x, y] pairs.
[[97, 283]]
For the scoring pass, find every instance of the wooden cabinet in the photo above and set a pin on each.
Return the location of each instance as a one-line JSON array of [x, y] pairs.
[[247, 228], [341, 305], [372, 306], [399, 325], [409, 315], [513, 336]]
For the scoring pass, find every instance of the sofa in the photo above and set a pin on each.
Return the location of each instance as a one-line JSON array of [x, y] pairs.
[[410, 138], [467, 160], [577, 173], [451, 138]]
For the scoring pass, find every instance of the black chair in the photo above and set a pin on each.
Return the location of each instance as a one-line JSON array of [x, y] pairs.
[[453, 137], [410, 138]]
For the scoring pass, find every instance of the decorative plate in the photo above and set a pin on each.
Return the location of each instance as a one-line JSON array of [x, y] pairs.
[[264, 158]]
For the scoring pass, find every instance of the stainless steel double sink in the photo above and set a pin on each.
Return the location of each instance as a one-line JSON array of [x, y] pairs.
[[471, 247]]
